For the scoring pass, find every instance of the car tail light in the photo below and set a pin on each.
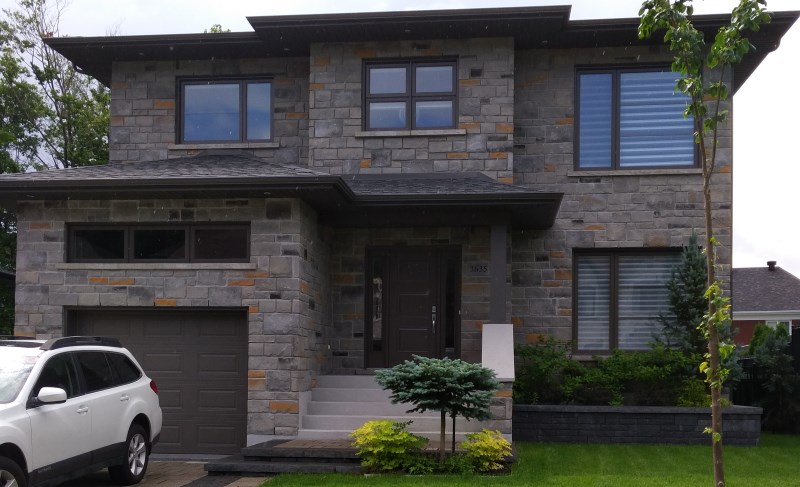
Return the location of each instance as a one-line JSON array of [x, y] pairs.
[[153, 386]]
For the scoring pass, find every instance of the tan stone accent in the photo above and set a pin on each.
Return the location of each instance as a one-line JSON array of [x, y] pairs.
[[296, 116], [506, 393], [504, 128], [283, 407], [321, 61], [166, 302], [365, 163], [498, 155], [479, 325], [117, 121], [163, 103], [725, 169], [362, 53], [41, 226], [516, 321], [256, 385], [98, 280], [469, 125], [534, 338], [304, 287], [565, 121], [256, 274], [252, 309], [506, 180], [242, 282], [457, 155], [565, 312], [557, 254], [126, 281], [549, 168], [595, 226], [563, 274], [551, 283], [316, 86], [469, 82], [119, 85], [256, 374]]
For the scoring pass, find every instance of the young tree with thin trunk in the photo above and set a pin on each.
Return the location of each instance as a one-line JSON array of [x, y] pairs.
[[704, 70]]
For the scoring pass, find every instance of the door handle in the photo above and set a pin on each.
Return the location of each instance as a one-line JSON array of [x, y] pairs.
[[82, 410], [124, 398], [433, 320]]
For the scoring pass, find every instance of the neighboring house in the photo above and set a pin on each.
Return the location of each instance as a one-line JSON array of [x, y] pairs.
[[333, 193], [763, 295]]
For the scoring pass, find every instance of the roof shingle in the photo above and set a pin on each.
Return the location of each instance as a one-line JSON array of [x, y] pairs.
[[760, 289]]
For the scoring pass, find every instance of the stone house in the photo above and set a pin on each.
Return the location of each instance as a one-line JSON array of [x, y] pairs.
[[763, 295], [330, 194]]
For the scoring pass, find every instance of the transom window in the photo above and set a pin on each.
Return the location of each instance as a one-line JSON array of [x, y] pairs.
[[159, 243], [225, 111], [632, 119], [410, 95], [619, 297]]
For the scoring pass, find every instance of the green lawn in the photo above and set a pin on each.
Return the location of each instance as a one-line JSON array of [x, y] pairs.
[[775, 463]]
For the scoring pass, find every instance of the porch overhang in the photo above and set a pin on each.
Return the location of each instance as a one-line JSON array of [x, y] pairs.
[[397, 200]]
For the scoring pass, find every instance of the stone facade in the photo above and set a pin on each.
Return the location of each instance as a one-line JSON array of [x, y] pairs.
[[482, 142], [144, 104], [284, 287]]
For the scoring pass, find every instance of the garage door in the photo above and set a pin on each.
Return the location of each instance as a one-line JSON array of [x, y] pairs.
[[199, 362]]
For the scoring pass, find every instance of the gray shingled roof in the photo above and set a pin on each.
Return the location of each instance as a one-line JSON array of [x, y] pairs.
[[206, 165], [759, 289]]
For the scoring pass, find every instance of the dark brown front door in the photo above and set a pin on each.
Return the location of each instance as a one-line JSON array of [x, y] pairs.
[[412, 310]]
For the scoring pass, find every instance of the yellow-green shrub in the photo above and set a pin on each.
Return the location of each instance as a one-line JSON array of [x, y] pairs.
[[486, 449], [385, 445]]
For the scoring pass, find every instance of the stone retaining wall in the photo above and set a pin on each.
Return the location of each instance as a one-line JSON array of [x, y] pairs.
[[628, 424]]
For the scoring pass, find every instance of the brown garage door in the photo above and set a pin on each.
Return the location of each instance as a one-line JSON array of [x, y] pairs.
[[199, 362]]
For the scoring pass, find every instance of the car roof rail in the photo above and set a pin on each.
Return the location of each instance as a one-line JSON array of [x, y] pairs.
[[76, 341], [16, 337]]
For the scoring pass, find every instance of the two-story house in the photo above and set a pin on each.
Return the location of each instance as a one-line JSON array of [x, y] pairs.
[[330, 194]]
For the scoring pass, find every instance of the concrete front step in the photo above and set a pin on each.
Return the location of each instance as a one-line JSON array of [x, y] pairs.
[[347, 382], [361, 408], [349, 394], [350, 423]]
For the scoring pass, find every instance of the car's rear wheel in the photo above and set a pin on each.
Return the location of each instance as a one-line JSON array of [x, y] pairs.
[[11, 475], [137, 457]]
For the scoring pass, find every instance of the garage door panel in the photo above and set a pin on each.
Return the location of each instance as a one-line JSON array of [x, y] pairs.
[[198, 358]]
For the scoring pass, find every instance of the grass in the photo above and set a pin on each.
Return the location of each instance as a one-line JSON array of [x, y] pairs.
[[772, 464]]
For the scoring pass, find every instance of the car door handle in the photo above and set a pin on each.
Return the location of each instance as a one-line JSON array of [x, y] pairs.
[[82, 410], [124, 398]]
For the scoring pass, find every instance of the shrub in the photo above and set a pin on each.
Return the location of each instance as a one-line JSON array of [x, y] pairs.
[[780, 381], [457, 464], [385, 445], [486, 450], [544, 370], [694, 393]]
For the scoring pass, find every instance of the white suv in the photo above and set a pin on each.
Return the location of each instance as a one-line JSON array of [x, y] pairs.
[[73, 405]]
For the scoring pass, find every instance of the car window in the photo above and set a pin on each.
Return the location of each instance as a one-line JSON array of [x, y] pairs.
[[14, 371], [59, 372], [126, 370], [96, 371]]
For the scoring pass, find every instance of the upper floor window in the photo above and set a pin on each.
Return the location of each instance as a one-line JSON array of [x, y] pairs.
[[619, 296], [632, 119], [409, 95], [225, 111], [159, 243]]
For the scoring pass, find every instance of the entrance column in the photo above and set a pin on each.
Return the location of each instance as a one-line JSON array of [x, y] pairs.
[[497, 274]]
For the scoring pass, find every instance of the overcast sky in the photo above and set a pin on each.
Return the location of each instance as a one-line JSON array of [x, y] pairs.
[[767, 167]]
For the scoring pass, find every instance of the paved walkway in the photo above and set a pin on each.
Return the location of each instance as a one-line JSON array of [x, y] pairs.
[[172, 474]]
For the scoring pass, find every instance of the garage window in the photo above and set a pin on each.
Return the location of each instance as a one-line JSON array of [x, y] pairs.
[[159, 243]]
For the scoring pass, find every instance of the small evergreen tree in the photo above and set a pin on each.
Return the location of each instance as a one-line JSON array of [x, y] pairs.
[[452, 387], [687, 303]]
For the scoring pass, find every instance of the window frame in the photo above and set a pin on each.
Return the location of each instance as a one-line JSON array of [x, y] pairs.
[[613, 318], [242, 81], [616, 71], [411, 96], [128, 251]]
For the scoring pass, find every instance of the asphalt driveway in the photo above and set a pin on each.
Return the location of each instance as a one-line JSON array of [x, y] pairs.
[[172, 474]]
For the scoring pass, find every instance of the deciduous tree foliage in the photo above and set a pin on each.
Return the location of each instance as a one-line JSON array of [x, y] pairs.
[[452, 387], [704, 69]]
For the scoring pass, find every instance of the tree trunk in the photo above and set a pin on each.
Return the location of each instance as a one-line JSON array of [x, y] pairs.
[[714, 362], [442, 444]]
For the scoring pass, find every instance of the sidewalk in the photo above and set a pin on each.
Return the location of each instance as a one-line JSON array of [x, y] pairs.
[[172, 474]]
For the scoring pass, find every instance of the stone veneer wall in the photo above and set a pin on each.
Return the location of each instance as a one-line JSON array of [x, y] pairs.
[[347, 288], [600, 209], [284, 286], [482, 142], [629, 424], [143, 108]]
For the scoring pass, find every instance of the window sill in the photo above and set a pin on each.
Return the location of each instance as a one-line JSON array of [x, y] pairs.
[[409, 133], [635, 172], [158, 266], [233, 145]]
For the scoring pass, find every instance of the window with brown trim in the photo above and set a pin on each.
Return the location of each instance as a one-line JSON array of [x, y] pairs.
[[225, 110], [221, 242], [410, 95], [618, 298], [632, 118]]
